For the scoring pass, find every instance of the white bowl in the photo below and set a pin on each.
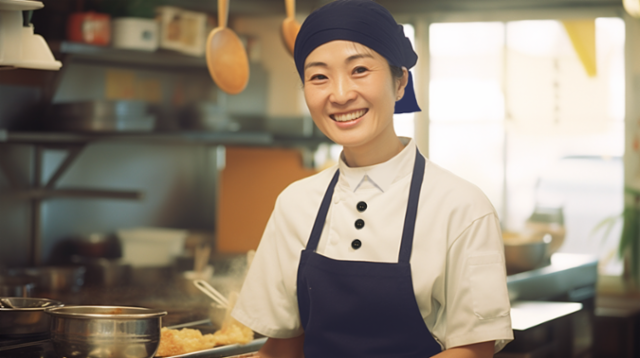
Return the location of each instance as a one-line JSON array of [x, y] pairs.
[[151, 246]]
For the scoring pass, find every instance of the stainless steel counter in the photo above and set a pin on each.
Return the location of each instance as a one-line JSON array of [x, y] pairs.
[[572, 276], [553, 309]]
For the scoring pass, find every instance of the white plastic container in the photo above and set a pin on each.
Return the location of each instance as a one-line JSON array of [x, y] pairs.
[[151, 246], [135, 33]]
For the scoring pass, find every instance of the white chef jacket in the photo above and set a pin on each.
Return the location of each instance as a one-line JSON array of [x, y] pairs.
[[457, 261]]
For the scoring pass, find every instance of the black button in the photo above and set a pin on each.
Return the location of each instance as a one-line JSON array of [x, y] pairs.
[[362, 206], [359, 224], [356, 244]]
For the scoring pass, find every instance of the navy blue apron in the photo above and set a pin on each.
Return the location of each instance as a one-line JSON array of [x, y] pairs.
[[353, 309]]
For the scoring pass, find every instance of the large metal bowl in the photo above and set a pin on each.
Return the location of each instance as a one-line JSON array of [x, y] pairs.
[[25, 316], [520, 257], [105, 331]]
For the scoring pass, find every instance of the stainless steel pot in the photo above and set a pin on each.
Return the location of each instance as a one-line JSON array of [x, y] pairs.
[[17, 286], [104, 272], [20, 316], [105, 331], [53, 278], [120, 115], [97, 245], [208, 117]]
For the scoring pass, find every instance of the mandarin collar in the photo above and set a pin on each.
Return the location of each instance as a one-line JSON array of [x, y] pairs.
[[382, 175]]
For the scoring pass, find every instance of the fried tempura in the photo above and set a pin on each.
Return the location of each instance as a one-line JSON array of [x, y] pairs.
[[175, 342]]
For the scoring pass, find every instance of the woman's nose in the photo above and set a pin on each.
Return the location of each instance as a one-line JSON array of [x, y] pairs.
[[342, 91]]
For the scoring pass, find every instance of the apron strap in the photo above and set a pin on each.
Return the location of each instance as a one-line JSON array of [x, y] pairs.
[[412, 209], [318, 225]]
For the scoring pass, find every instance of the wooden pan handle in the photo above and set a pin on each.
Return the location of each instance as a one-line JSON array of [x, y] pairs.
[[223, 13], [291, 8]]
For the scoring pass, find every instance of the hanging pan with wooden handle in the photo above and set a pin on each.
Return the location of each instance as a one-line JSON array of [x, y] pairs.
[[226, 56]]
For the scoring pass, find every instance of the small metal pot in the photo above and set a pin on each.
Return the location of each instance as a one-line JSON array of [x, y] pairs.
[[105, 331], [20, 316], [104, 272], [53, 278], [17, 286], [98, 245]]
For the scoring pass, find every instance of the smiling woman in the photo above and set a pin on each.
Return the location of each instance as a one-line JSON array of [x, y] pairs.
[[384, 254], [351, 95]]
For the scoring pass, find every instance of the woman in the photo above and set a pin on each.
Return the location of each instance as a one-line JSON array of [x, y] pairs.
[[385, 254]]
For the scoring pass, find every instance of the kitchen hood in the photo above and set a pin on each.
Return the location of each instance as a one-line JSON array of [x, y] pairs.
[[20, 47]]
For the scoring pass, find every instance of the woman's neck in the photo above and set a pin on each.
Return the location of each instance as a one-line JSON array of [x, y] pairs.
[[374, 152]]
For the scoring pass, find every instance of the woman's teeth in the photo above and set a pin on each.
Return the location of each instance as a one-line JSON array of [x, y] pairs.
[[349, 116]]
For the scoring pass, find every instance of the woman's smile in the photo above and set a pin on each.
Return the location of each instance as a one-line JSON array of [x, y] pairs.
[[349, 116]]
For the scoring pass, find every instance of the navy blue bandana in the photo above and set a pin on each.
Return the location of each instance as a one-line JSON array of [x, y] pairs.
[[364, 22]]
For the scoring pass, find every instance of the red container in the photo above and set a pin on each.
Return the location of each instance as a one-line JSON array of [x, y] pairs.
[[89, 27]]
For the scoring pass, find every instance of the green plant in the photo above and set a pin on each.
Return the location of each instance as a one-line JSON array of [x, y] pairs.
[[629, 245]]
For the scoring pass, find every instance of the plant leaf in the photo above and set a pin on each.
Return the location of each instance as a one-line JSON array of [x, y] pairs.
[[607, 224], [629, 230], [635, 252]]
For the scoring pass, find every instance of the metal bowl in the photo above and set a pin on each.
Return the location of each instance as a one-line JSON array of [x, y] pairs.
[[520, 257], [21, 316], [105, 331]]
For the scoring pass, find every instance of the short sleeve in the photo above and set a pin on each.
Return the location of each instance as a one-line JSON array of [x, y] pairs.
[[477, 304], [267, 302]]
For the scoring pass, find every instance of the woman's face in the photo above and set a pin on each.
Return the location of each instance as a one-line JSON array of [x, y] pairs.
[[351, 94]]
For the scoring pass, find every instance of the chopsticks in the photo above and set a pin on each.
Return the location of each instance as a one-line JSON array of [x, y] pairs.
[[211, 292], [204, 286]]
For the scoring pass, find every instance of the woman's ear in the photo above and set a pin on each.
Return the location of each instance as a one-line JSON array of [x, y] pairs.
[[401, 83]]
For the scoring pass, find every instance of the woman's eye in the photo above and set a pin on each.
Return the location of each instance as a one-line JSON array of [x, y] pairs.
[[360, 70], [318, 77]]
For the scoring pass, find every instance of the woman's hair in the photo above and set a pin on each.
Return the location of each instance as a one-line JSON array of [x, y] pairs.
[[396, 72]]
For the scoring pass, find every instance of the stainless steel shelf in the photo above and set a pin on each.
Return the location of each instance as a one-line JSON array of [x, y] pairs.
[[78, 52], [177, 137], [206, 138], [43, 193]]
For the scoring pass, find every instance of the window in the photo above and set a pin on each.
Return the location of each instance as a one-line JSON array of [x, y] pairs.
[[513, 110]]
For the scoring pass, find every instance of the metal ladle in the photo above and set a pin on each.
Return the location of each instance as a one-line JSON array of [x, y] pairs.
[[208, 290], [5, 303]]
